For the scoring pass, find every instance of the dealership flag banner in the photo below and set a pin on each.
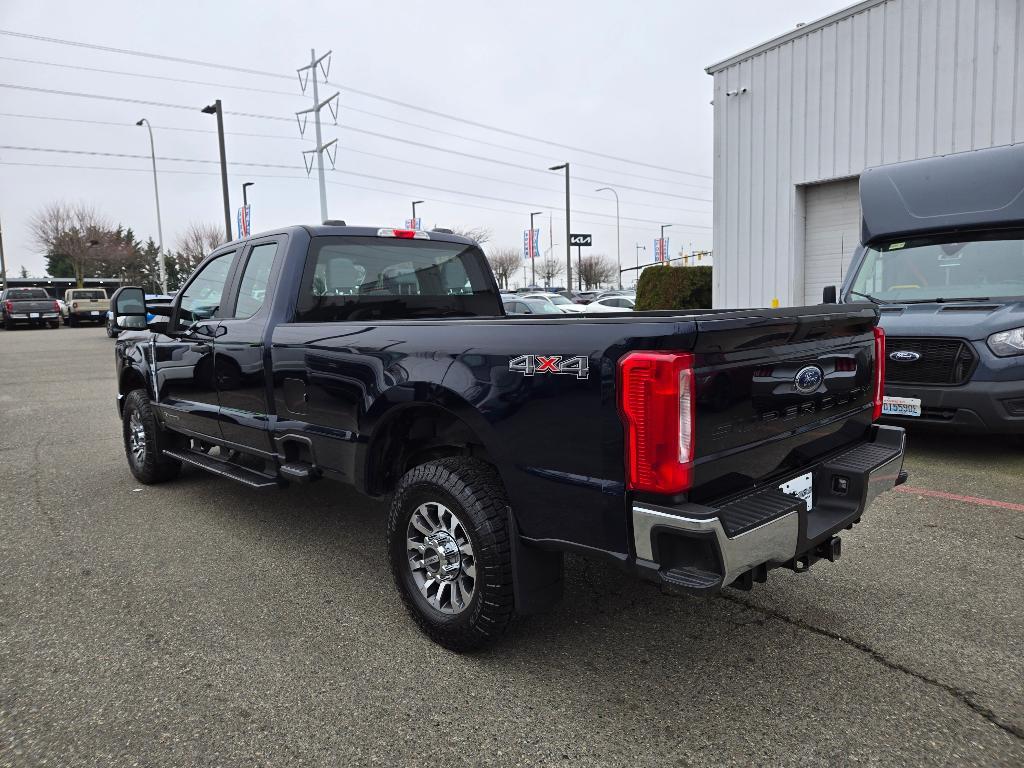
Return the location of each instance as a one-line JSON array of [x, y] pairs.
[[244, 221], [531, 245], [661, 249], [416, 223]]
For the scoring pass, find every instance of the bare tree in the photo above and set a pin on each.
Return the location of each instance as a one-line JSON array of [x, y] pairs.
[[195, 244], [597, 269], [480, 234], [76, 232], [504, 263], [548, 269]]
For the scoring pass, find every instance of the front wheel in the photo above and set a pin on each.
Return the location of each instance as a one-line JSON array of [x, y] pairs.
[[144, 441], [450, 553], [111, 333]]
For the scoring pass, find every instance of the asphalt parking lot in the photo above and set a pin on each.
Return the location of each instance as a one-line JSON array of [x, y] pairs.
[[203, 623]]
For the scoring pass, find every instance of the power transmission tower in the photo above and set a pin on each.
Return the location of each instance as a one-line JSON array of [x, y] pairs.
[[331, 102]]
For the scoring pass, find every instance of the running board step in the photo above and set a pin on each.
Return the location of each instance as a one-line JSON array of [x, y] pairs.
[[249, 477]]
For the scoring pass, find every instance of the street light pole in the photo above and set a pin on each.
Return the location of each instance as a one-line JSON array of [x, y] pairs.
[[638, 249], [161, 267], [661, 244], [533, 261], [568, 226], [218, 110], [245, 196], [618, 236], [414, 204]]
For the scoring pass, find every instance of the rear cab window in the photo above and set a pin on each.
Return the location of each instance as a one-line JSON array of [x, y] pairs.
[[372, 278]]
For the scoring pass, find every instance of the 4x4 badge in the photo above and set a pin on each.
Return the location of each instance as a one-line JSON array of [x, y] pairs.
[[528, 365]]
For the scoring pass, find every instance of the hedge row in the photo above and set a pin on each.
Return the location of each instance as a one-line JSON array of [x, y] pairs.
[[674, 288]]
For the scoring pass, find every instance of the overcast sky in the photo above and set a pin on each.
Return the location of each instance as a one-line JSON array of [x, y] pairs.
[[625, 80]]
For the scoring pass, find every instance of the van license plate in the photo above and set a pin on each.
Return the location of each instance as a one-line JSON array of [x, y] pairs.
[[901, 406], [802, 488], [94, 312]]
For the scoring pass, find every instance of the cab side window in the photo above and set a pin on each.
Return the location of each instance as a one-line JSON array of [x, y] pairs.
[[253, 289], [201, 300]]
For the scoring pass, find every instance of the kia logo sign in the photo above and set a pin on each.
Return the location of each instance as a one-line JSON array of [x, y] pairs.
[[583, 240], [904, 356], [808, 379]]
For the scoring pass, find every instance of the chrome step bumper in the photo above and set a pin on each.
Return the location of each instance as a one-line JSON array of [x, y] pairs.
[[700, 548]]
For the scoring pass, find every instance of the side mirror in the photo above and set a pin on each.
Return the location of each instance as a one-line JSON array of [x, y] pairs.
[[828, 295], [130, 302]]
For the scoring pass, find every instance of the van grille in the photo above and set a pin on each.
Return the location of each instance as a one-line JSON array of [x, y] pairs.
[[942, 361]]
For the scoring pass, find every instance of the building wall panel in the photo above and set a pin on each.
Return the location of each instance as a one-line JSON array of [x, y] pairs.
[[887, 80]]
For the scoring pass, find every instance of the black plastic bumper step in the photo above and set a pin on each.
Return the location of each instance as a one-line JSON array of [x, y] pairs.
[[239, 474], [691, 579], [757, 509], [864, 458]]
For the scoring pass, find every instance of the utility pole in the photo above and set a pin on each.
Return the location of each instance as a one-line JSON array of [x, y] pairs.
[[568, 226], [3, 262], [161, 268], [638, 249], [218, 110], [414, 204], [618, 235], [331, 102]]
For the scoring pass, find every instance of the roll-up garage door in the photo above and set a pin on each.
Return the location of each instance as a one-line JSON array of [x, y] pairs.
[[831, 232]]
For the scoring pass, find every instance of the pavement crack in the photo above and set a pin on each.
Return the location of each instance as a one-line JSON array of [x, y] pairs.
[[879, 657]]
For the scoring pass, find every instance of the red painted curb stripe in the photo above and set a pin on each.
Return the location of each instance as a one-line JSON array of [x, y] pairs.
[[958, 497]]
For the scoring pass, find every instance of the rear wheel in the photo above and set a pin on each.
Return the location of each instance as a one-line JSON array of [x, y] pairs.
[[449, 547], [144, 441]]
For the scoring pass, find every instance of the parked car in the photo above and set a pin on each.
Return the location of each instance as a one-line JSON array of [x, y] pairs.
[[28, 306], [614, 302], [521, 305], [942, 253], [381, 358], [85, 305], [563, 304]]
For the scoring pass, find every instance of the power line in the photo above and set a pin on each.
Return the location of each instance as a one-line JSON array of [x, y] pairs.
[[353, 150], [356, 130], [461, 204], [350, 89], [373, 177], [348, 108]]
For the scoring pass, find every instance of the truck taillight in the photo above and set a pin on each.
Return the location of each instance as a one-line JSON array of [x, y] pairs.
[[9, 305], [879, 372], [656, 400], [56, 306]]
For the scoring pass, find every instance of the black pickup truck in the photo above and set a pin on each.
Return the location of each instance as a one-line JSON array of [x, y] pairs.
[[698, 449]]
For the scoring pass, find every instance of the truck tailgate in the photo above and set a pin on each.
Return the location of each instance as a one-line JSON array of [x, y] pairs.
[[776, 393]]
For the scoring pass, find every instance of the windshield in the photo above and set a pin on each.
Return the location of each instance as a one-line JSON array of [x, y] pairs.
[[923, 270]]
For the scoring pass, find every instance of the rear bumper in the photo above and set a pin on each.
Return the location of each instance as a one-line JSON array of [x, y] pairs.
[[26, 317], [699, 549], [977, 406]]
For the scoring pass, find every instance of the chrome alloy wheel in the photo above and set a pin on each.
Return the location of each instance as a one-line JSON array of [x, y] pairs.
[[137, 439], [441, 558]]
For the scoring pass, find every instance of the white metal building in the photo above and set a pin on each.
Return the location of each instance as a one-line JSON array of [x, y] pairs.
[[799, 117]]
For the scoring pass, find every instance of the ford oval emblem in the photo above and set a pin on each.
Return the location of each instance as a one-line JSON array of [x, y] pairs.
[[808, 379], [904, 356]]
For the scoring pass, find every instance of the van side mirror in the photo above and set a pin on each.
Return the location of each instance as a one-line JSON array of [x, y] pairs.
[[828, 295]]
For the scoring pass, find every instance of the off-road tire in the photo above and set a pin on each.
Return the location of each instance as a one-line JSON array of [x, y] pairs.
[[154, 466], [472, 490]]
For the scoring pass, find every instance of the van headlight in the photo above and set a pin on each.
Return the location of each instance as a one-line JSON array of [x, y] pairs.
[[1007, 343]]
